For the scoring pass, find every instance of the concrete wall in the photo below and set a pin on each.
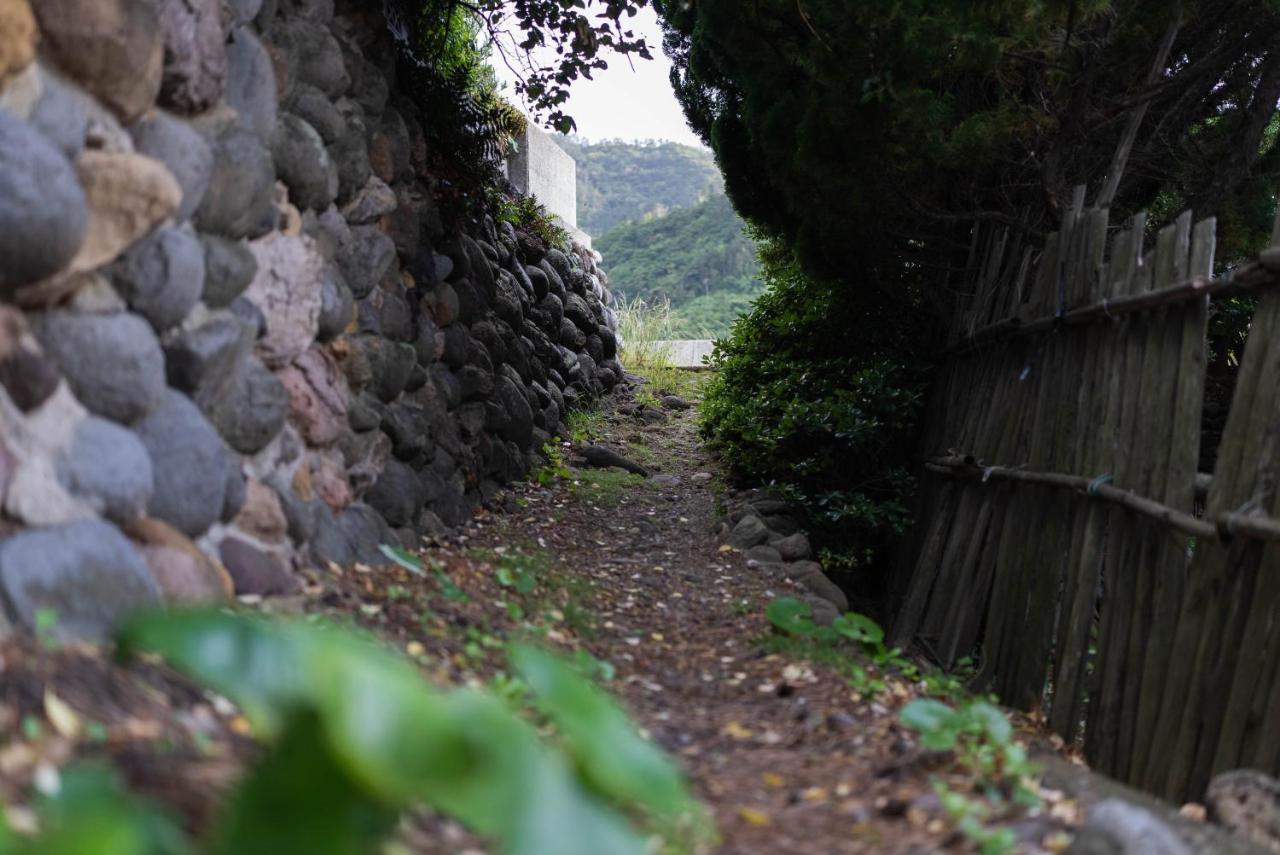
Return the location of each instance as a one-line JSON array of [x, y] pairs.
[[545, 171]]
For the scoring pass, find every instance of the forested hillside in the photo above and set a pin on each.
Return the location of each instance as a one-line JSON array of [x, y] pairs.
[[620, 181], [659, 214], [700, 258]]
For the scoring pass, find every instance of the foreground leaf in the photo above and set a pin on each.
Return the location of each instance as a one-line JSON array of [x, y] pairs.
[[611, 754]]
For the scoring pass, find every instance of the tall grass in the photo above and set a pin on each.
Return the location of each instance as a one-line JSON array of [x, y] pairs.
[[644, 329], [641, 325]]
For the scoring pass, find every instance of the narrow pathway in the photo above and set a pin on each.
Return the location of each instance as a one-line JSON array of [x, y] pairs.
[[620, 571], [787, 755]]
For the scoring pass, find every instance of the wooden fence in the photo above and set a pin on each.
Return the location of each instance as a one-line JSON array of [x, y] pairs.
[[1058, 538]]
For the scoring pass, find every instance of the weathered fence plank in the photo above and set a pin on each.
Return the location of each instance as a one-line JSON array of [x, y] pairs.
[[1059, 540]]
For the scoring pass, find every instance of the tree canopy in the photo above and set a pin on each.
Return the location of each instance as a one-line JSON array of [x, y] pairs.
[[873, 134]]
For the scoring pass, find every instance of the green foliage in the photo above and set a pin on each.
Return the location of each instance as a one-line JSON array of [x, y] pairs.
[[531, 217], [980, 736], [816, 390], [830, 644], [606, 488], [579, 34], [91, 814], [584, 425], [555, 468], [611, 755], [621, 182], [700, 259], [355, 737]]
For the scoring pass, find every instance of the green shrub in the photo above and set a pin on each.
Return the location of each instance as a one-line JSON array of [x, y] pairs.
[[814, 393], [528, 215], [355, 736]]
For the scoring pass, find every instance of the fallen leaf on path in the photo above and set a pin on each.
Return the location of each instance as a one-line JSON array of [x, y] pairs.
[[753, 816], [736, 731], [64, 719]]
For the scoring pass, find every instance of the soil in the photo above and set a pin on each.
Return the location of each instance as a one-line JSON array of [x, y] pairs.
[[788, 756]]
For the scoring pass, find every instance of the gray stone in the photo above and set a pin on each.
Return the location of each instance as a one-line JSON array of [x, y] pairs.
[[475, 382], [559, 263], [354, 535], [769, 507], [162, 276], [365, 259], [1115, 826], [43, 213], [303, 164], [61, 116], [113, 363], [107, 467], [201, 362], [398, 494], [313, 54], [238, 203], [252, 410], [409, 429], [365, 413], [195, 61], [237, 494], [337, 307], [824, 612], [675, 402], [763, 554], [243, 11], [374, 201], [182, 149], [519, 427], [1247, 802], [250, 315], [783, 524], [254, 570], [794, 547], [810, 575], [229, 267], [87, 574], [571, 336], [190, 463], [251, 83], [385, 312], [368, 85], [114, 50], [749, 532], [351, 155], [576, 310], [311, 104]]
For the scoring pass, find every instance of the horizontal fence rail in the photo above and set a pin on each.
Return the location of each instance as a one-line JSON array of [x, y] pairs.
[[1064, 535]]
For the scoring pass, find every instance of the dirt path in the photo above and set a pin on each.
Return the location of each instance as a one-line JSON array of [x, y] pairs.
[[786, 754]]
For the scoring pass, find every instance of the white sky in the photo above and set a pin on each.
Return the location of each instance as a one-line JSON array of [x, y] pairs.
[[625, 103]]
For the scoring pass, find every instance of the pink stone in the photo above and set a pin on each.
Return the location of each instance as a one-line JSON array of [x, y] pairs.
[[318, 397]]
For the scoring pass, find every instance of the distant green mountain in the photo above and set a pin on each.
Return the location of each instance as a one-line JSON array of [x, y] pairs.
[[699, 258], [620, 181]]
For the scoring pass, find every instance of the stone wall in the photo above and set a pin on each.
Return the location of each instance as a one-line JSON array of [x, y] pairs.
[[236, 341]]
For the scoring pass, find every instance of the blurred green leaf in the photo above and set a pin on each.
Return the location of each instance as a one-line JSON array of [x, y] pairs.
[[301, 799], [358, 734], [859, 628], [404, 558], [610, 753], [792, 616], [933, 720], [91, 814]]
